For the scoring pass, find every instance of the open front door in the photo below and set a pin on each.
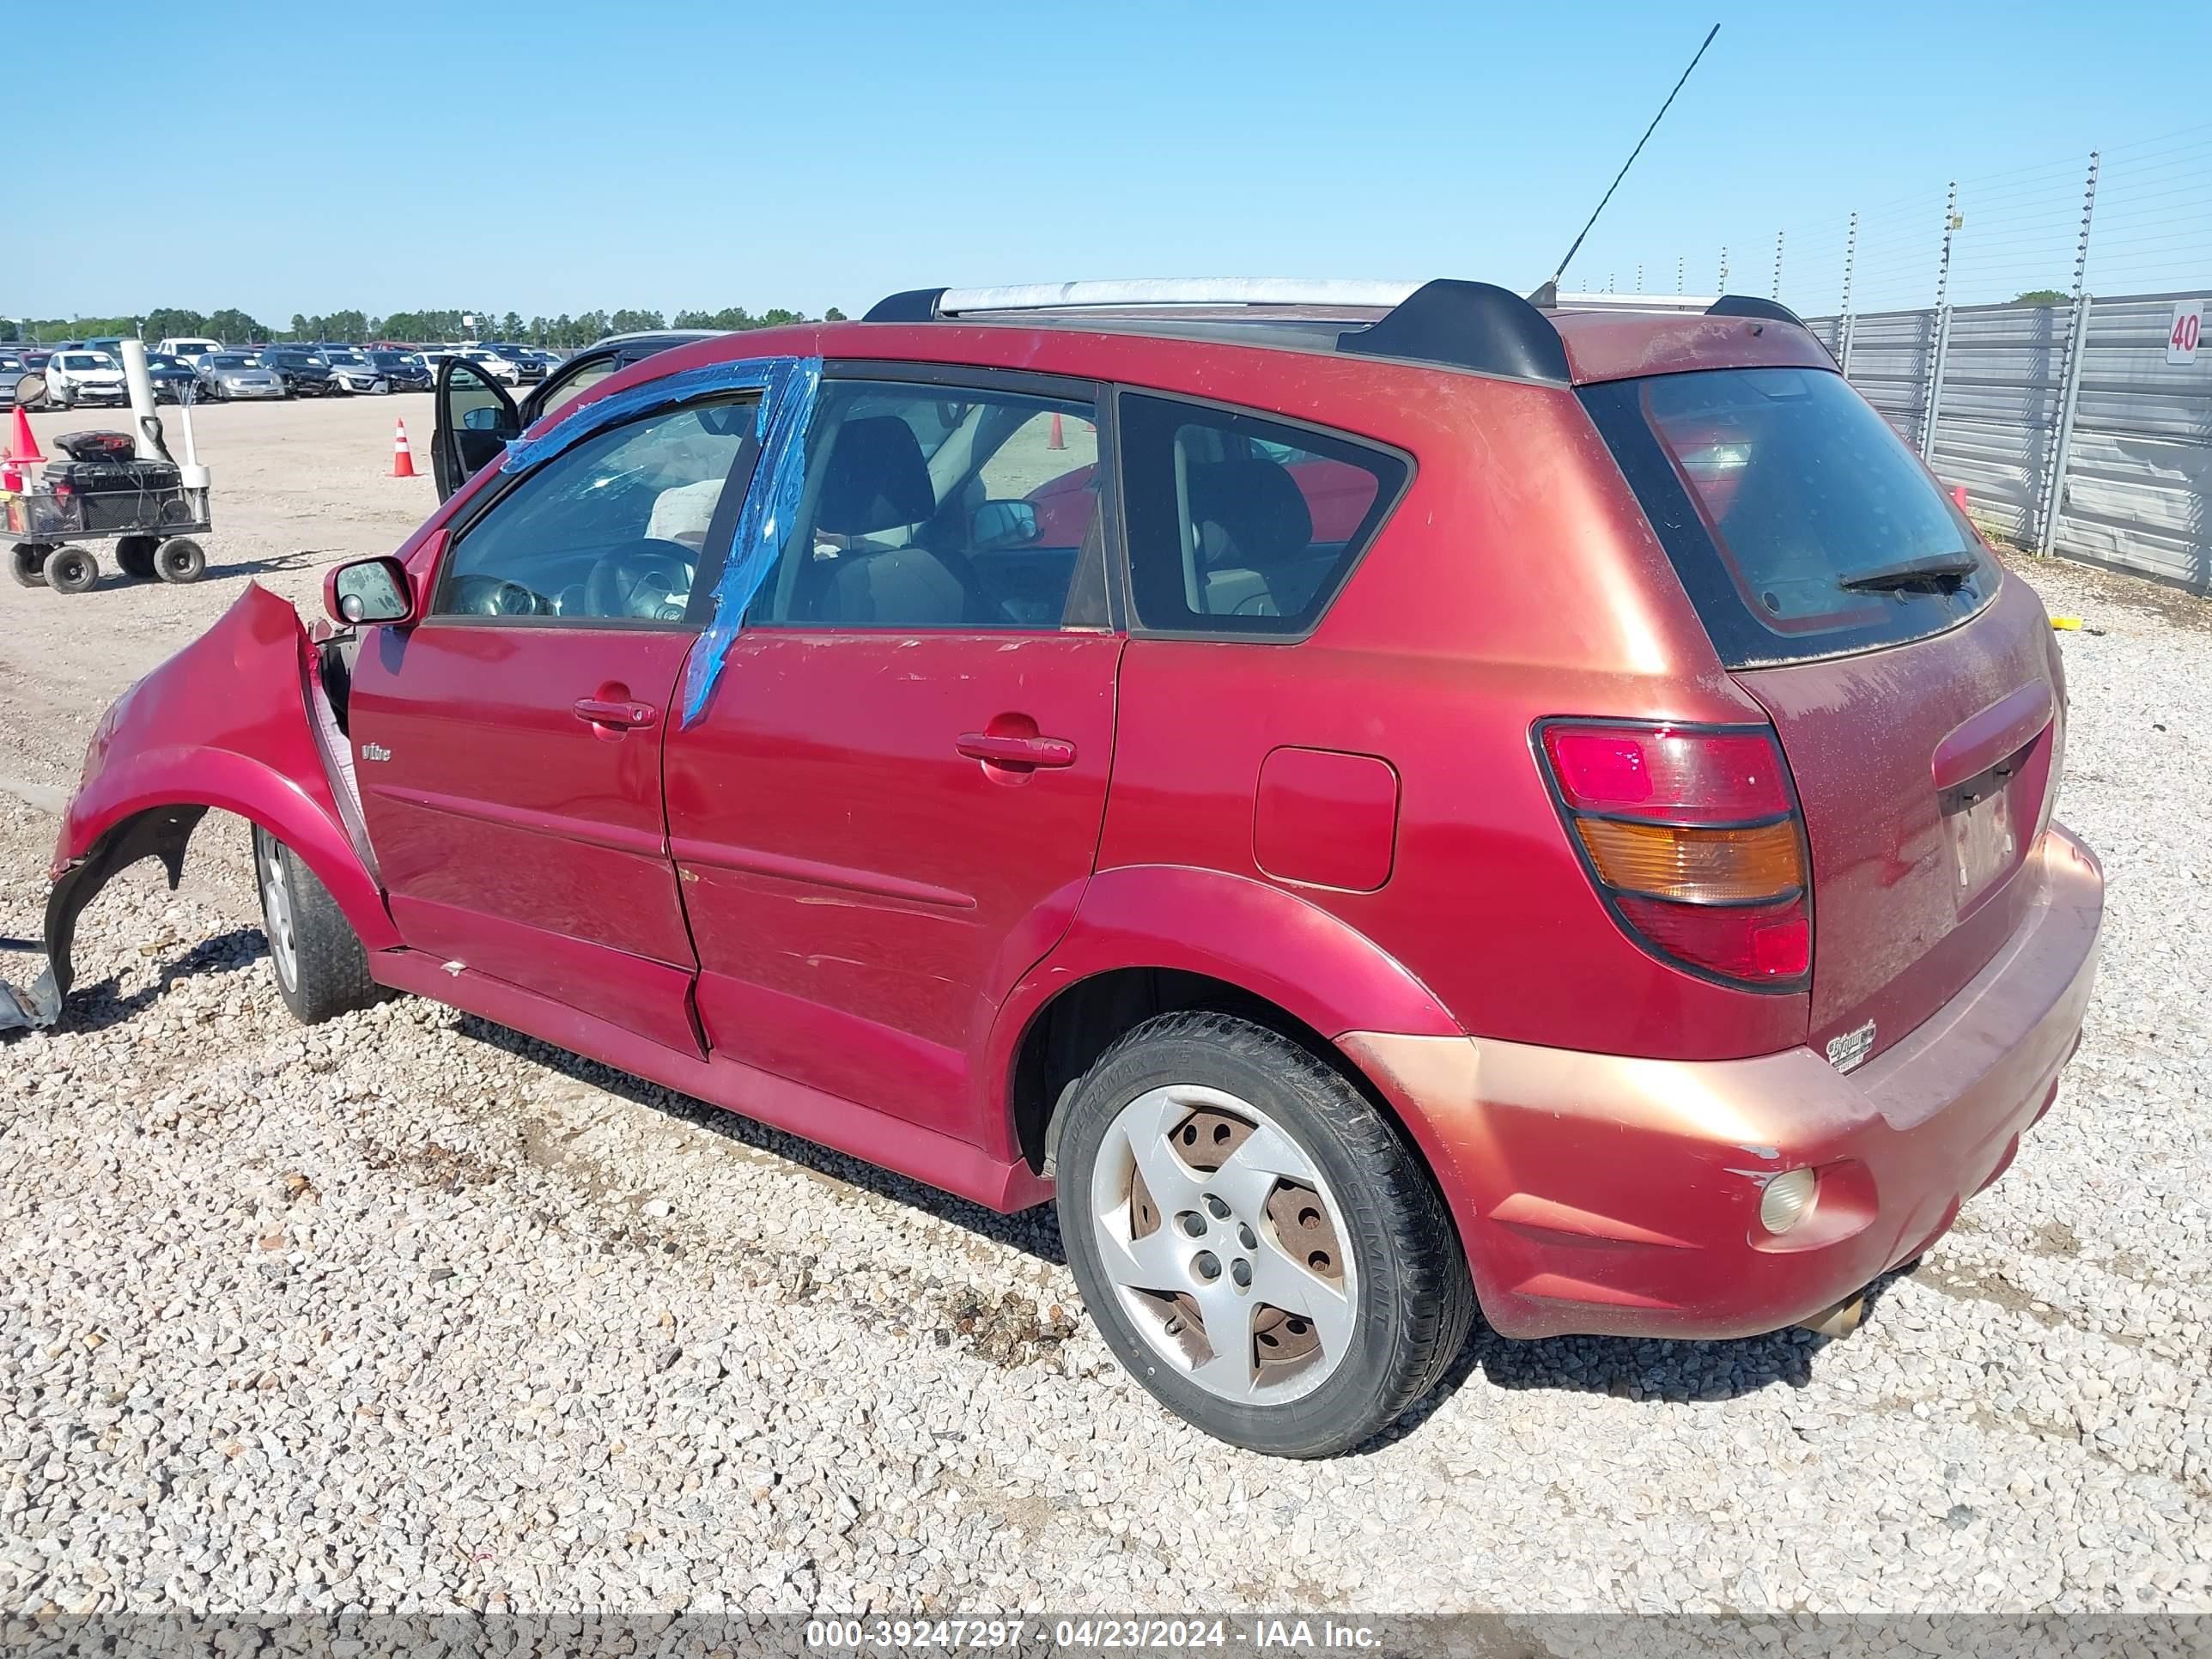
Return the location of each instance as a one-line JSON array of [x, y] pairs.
[[476, 419]]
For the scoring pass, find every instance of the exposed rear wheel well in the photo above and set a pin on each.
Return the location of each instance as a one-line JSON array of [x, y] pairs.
[[1067, 1036]]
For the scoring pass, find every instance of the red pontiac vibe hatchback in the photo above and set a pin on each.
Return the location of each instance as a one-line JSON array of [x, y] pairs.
[[1381, 802]]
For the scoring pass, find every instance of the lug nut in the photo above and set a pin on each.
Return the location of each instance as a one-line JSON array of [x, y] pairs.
[[1208, 1267], [1246, 1237], [1215, 1203], [1191, 1222], [1240, 1271]]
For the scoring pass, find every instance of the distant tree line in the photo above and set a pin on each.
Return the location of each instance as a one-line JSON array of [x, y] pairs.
[[234, 327]]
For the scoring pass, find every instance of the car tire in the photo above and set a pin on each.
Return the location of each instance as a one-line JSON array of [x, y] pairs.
[[71, 570], [1332, 1213], [321, 969], [26, 562], [179, 559], [134, 556]]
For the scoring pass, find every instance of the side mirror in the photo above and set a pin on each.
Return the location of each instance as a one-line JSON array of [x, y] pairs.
[[31, 388], [1003, 523], [368, 591], [483, 418]]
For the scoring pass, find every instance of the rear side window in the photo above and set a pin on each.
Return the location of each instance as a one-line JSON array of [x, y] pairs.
[[1798, 521], [1241, 525]]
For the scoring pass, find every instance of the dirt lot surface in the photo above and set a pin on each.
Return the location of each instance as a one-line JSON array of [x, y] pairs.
[[409, 1312]]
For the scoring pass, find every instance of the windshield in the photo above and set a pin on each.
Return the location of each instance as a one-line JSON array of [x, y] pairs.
[[1772, 488], [85, 360], [354, 358], [226, 360]]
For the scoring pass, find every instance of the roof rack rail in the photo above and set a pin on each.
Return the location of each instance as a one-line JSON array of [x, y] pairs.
[[926, 304], [1689, 302], [1461, 325], [1750, 305]]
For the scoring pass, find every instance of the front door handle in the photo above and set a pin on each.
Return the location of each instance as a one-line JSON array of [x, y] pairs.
[[608, 711], [1020, 752]]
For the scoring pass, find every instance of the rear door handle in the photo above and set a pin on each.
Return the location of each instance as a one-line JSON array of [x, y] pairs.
[[1016, 751], [606, 711]]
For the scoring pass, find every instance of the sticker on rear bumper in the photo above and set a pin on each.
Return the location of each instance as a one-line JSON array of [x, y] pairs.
[[1849, 1049]]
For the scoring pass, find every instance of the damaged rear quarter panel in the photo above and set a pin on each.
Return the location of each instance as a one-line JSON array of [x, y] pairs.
[[224, 723]]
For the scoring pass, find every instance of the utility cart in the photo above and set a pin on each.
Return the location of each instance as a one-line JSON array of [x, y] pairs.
[[98, 491]]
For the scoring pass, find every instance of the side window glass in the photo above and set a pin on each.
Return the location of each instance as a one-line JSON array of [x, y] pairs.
[[1240, 525], [612, 529], [941, 507]]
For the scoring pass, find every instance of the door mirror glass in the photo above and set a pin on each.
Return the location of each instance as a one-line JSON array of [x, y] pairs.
[[368, 591], [31, 388], [1000, 524], [483, 418]]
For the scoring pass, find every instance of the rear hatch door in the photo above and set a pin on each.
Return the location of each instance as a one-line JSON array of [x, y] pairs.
[[1912, 684]]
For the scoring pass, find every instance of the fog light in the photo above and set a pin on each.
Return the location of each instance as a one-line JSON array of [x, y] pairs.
[[1787, 1199]]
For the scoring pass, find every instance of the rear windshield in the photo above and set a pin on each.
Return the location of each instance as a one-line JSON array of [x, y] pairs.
[[1780, 495]]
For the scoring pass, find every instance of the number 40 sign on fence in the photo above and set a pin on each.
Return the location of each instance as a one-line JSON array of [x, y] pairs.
[[2188, 324]]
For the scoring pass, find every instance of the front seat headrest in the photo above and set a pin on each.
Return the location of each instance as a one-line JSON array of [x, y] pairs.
[[876, 479], [1257, 512]]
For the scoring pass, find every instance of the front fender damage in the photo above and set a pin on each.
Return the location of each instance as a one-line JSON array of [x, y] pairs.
[[232, 722], [159, 834]]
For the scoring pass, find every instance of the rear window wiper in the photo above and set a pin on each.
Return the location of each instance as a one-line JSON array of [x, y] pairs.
[[1936, 570]]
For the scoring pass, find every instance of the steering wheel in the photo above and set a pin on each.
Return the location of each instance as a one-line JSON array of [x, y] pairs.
[[495, 596], [637, 579]]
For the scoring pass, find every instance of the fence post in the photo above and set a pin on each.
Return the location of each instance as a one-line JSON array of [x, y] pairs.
[[1935, 407], [2069, 395], [1776, 294], [1850, 254], [1723, 286]]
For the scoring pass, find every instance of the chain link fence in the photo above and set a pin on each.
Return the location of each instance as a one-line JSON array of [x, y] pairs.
[[1975, 316]]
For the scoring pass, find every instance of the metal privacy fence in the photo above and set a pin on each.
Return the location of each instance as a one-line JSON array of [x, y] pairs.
[[2083, 429]]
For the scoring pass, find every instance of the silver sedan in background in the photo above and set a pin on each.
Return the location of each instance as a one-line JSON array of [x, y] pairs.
[[226, 374]]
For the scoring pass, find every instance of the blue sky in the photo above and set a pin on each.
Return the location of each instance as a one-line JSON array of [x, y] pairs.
[[559, 156]]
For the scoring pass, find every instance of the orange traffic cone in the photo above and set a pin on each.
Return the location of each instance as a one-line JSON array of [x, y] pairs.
[[1958, 496], [24, 448], [403, 459], [1058, 439]]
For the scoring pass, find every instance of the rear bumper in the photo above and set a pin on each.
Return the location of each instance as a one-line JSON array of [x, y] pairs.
[[1611, 1195]]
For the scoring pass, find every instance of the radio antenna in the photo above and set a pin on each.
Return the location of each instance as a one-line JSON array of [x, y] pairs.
[[1554, 283]]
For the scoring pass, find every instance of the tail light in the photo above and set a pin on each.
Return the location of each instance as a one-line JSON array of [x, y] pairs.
[[1694, 840]]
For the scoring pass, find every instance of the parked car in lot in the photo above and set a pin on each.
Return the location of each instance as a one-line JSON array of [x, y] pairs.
[[173, 379], [227, 375], [529, 363], [75, 378], [305, 374], [13, 368], [401, 370], [353, 370], [1541, 808], [187, 349], [500, 367]]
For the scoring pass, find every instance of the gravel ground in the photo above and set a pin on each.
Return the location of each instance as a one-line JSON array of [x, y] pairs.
[[409, 1312]]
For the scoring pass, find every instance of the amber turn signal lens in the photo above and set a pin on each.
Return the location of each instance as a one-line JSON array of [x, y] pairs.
[[1694, 865]]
